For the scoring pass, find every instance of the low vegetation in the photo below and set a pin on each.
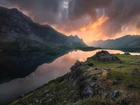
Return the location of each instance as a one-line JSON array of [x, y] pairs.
[[103, 79]]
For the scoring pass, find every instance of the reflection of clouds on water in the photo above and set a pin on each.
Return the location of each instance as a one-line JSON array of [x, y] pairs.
[[43, 74]]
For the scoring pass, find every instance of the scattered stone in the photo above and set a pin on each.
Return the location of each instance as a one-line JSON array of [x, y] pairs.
[[95, 68], [124, 102], [120, 67], [87, 92], [115, 94], [106, 69], [92, 84], [105, 95], [132, 86], [135, 72], [115, 82], [36, 101], [127, 53], [134, 63]]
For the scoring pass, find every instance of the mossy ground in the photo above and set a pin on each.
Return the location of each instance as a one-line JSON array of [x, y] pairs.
[[64, 92]]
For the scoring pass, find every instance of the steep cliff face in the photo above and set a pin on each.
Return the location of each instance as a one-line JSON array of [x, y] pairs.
[[19, 33]]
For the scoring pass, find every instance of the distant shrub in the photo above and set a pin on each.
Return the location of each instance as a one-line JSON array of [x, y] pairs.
[[90, 64]]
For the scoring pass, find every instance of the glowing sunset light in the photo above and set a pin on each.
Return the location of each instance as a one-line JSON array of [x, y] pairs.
[[95, 24]]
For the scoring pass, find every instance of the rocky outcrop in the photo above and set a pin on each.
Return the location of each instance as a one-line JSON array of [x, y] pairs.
[[80, 76], [105, 56]]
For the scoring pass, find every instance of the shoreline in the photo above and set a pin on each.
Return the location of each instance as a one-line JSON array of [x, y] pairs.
[[88, 81]]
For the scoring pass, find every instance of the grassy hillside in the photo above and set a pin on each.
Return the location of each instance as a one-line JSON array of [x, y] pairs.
[[125, 43], [103, 79]]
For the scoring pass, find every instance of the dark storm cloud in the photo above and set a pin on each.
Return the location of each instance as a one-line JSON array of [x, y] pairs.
[[53, 12], [122, 13], [69, 15], [78, 8], [39, 10]]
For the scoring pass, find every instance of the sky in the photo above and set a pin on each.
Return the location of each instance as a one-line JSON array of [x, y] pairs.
[[89, 19]]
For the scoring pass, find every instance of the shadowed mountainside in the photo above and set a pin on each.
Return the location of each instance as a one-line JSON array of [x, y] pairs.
[[19, 33], [20, 64], [128, 42]]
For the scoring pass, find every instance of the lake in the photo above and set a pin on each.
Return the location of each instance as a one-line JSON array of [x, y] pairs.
[[47, 68]]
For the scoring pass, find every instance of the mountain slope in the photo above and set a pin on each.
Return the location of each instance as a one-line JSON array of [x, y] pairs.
[[19, 33], [126, 42]]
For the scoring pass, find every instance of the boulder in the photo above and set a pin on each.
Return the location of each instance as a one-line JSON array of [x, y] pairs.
[[106, 56], [135, 72], [115, 82], [127, 53], [87, 92], [92, 84], [114, 94], [132, 85], [120, 67]]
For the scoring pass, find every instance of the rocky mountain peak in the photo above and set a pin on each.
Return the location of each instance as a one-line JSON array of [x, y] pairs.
[[20, 32]]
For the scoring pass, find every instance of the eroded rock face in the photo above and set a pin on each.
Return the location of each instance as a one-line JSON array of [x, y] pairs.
[[19, 33], [87, 92], [77, 71], [105, 56]]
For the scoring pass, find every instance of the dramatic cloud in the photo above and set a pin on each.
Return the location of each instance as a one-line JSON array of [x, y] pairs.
[[39, 10], [122, 15], [97, 18], [78, 8]]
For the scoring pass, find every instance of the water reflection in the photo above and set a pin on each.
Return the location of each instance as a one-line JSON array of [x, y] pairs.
[[19, 65], [43, 74]]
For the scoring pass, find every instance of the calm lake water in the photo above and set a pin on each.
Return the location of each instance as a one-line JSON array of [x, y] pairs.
[[44, 73]]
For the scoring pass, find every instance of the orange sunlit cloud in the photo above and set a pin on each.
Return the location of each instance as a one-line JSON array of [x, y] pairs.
[[94, 31], [96, 24], [90, 32]]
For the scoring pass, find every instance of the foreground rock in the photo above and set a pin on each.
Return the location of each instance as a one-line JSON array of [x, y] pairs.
[[106, 57], [135, 72]]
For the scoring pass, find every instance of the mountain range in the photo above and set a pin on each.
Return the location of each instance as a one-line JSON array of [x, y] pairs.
[[19, 32], [127, 42]]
